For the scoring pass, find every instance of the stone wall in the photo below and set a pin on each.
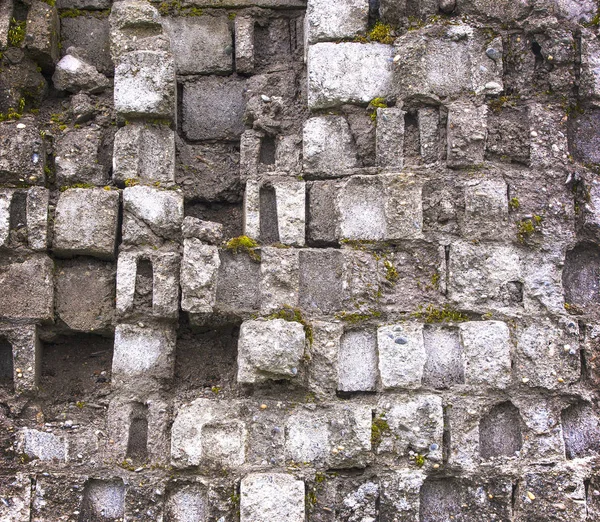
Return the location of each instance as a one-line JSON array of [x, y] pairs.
[[279, 261]]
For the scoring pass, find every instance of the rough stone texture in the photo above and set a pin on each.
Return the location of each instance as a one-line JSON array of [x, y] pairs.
[[199, 268], [22, 153], [328, 145], [75, 75], [78, 157], [357, 362], [86, 223], [271, 496], [327, 21], [281, 360], [42, 34], [348, 73], [401, 356]]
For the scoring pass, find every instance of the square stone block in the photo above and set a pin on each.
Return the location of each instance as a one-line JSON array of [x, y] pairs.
[[401, 355], [78, 157], [22, 153], [336, 21], [271, 349], [145, 85], [467, 132], [328, 145], [266, 497], [86, 223]]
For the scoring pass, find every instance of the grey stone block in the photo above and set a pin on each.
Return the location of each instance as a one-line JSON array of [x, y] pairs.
[[201, 44], [37, 217], [467, 133], [269, 350], [26, 356], [237, 283], [83, 4], [6, 12], [90, 35], [322, 212], [321, 287], [213, 108], [402, 355], [42, 34], [336, 21], [22, 153], [357, 361], [279, 269], [348, 73], [74, 74], [199, 269], [79, 157], [145, 85], [206, 231], [151, 215], [328, 145], [86, 223], [390, 137], [208, 434], [271, 496], [143, 354], [28, 289], [187, 502], [244, 44], [43, 446], [24, 218], [145, 152], [486, 208]]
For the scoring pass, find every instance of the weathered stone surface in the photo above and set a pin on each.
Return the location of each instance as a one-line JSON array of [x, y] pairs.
[[22, 153], [348, 73], [279, 269], [145, 152], [244, 44], [335, 21], [43, 446], [79, 157], [25, 358], [271, 496], [42, 33], [467, 132], [75, 75], [401, 355], [213, 108], [86, 223], [390, 137], [357, 361], [27, 289], [199, 269], [328, 145], [270, 349], [145, 85], [206, 231], [201, 44]]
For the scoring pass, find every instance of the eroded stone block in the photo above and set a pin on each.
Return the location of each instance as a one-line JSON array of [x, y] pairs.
[[21, 362], [79, 157], [357, 361], [341, 73], [86, 223], [270, 349], [328, 145], [237, 283], [321, 280], [244, 44], [390, 137], [42, 33], [401, 355], [280, 272], [199, 269], [336, 21], [467, 132], [187, 502], [42, 445], [22, 153], [271, 496]]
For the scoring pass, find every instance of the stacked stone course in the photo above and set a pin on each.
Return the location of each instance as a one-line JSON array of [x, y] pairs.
[[299, 260]]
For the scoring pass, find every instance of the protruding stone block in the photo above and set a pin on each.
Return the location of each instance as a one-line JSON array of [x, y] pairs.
[[280, 273], [357, 361], [271, 349], [151, 215], [201, 44], [145, 85], [401, 355], [144, 152], [336, 21], [244, 44], [467, 132], [486, 208], [22, 153], [148, 284], [24, 364], [86, 223], [199, 269], [328, 145], [208, 434], [341, 73], [271, 496], [487, 350], [43, 33], [38, 199], [187, 502], [321, 287], [143, 353], [24, 218], [75, 75]]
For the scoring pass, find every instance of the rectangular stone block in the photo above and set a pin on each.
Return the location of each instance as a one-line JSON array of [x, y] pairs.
[[23, 365], [42, 445], [42, 34], [271, 496], [487, 352], [209, 434], [145, 152], [429, 134], [270, 350], [38, 199], [201, 44], [328, 145], [322, 213], [467, 132], [357, 361], [148, 285], [86, 223], [24, 218], [348, 73], [22, 153], [78, 157], [145, 85], [199, 269], [151, 216], [27, 289], [244, 44], [323, 351], [444, 365], [336, 21], [402, 355], [186, 502], [6, 12], [237, 283], [280, 274], [213, 108], [143, 354], [390, 137], [321, 280], [486, 208]]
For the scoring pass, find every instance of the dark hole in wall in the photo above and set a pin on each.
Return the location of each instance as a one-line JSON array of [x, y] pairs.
[[18, 217], [444, 365], [76, 367], [144, 286], [269, 226], [228, 214], [581, 276], [500, 432], [581, 431], [373, 11], [439, 498], [412, 139], [103, 501], [273, 42], [268, 147], [6, 364], [137, 442], [206, 359]]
